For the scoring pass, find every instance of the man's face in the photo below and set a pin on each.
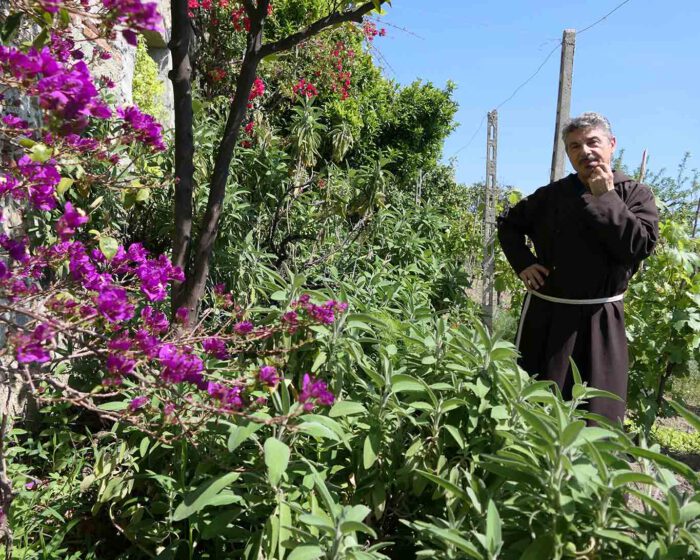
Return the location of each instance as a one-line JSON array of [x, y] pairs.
[[587, 148]]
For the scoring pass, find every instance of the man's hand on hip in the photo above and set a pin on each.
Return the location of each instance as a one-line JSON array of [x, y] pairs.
[[534, 276], [601, 180]]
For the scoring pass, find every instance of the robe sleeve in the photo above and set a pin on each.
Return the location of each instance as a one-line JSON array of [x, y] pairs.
[[629, 230], [514, 224]]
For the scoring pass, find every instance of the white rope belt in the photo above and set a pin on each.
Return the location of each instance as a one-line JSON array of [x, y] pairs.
[[618, 297], [530, 293]]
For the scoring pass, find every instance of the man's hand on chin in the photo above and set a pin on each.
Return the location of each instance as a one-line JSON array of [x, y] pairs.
[[600, 179]]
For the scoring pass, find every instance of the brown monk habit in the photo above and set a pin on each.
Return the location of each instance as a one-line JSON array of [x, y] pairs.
[[592, 246]]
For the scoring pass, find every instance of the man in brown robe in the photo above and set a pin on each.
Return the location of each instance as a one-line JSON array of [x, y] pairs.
[[590, 232]]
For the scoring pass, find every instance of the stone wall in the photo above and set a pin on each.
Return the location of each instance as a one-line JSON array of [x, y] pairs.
[[120, 68]]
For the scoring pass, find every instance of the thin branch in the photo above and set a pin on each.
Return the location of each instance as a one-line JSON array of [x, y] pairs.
[[334, 18], [278, 209]]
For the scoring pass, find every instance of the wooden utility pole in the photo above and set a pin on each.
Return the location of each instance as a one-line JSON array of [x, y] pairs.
[[566, 74], [490, 197], [643, 167]]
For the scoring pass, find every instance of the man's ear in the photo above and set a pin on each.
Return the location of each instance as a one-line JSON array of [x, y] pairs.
[[613, 142]]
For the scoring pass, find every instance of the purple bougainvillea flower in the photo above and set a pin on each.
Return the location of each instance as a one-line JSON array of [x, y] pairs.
[[71, 220], [113, 304], [268, 376]]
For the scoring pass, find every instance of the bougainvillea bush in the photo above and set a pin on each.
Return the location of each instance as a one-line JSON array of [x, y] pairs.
[[86, 317]]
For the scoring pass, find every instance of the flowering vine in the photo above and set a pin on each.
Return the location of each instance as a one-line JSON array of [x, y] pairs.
[[92, 300]]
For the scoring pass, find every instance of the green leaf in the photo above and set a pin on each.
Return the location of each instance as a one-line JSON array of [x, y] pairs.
[[279, 295], [445, 484], [86, 483], [594, 433], [346, 408], [622, 479], [369, 452], [316, 429], [203, 495], [537, 423], [664, 460], [318, 521], [219, 523], [285, 517], [674, 509], [319, 361], [575, 372], [143, 447], [40, 153], [618, 536], [109, 246], [493, 529], [320, 485], [143, 194], [571, 432], [450, 536], [356, 526], [238, 434], [63, 185], [306, 552], [690, 511], [593, 393], [454, 432], [276, 459], [401, 382], [113, 406], [41, 39], [357, 513], [329, 423]]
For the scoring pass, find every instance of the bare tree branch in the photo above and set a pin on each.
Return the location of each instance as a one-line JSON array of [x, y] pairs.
[[334, 18]]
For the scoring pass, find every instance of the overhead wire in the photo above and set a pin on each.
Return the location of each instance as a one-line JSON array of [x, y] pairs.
[[523, 84]]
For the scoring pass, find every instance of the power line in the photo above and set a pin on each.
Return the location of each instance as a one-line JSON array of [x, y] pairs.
[[517, 89], [472, 138], [603, 18], [533, 75], [512, 95]]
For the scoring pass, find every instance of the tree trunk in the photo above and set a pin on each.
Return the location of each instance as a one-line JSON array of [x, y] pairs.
[[190, 295], [196, 282], [181, 77]]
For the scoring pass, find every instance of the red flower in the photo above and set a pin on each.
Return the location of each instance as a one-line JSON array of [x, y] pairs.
[[257, 90], [307, 89]]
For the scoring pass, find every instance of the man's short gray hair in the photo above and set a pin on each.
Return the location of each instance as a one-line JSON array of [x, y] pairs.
[[587, 120]]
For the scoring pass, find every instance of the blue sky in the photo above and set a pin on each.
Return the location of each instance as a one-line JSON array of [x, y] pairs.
[[640, 67]]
